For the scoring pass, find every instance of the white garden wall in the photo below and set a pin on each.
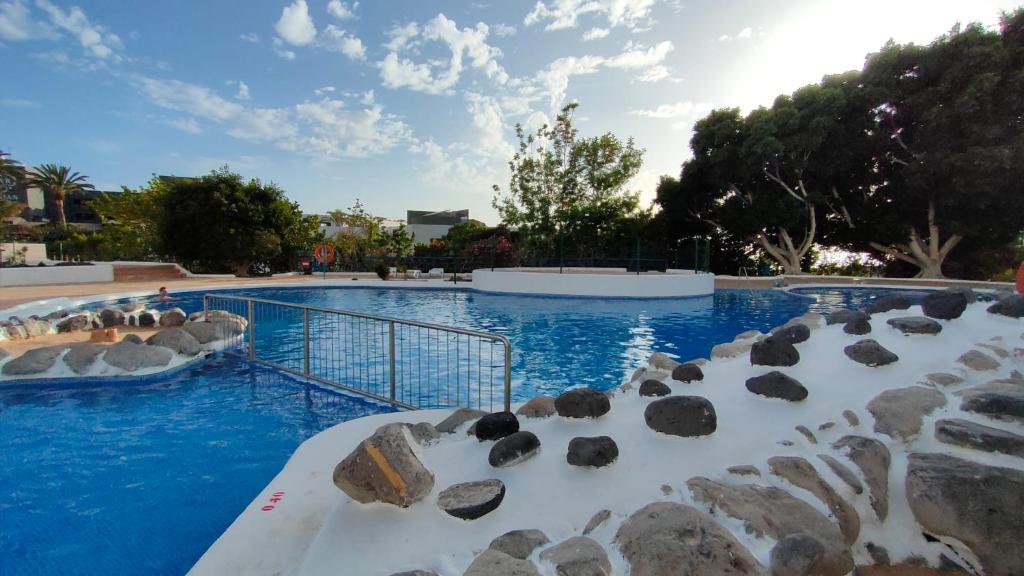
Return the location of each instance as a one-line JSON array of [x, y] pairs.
[[33, 276], [594, 282]]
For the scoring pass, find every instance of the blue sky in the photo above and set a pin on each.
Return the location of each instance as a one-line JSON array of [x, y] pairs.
[[407, 104]]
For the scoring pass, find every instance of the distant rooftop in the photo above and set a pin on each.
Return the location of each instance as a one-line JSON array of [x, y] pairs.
[[437, 217]]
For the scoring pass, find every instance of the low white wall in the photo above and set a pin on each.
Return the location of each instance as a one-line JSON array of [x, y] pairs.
[[34, 251], [33, 276], [591, 283]]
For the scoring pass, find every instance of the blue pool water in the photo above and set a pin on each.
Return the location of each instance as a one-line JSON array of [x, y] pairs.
[[141, 476]]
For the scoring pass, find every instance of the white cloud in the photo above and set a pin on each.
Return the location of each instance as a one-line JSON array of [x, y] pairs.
[[367, 98], [17, 23], [335, 38], [489, 123], [281, 51], [18, 103], [296, 25], [555, 78], [448, 169], [327, 128], [251, 37], [654, 74], [504, 30], [564, 14], [94, 38], [635, 56], [188, 125], [340, 10], [243, 91], [324, 90], [741, 35], [677, 110], [437, 76], [595, 33]]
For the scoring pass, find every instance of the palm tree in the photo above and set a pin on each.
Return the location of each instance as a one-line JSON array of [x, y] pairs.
[[11, 171], [59, 181]]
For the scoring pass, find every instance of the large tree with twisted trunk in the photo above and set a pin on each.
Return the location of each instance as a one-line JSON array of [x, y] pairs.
[[948, 142]]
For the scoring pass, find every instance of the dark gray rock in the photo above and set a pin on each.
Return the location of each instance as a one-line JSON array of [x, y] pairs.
[[900, 412], [793, 333], [33, 361], [57, 315], [915, 325], [666, 538], [858, 327], [979, 437], [519, 543], [206, 332], [851, 418], [942, 379], [596, 451], [471, 500], [661, 361], [802, 473], [870, 353], [844, 473], [846, 316], [1012, 306], [775, 384], [513, 449], [654, 388], [945, 305], [806, 433], [494, 563], [459, 417], [111, 317], [423, 433], [889, 302], [4, 353], [415, 573], [538, 407], [131, 357], [131, 307], [1002, 405], [75, 323], [773, 351], [879, 555], [177, 340], [384, 468], [797, 555], [976, 504], [775, 513], [36, 328], [81, 357], [688, 373], [578, 556], [133, 338], [682, 416], [496, 426], [969, 295], [873, 459], [147, 319], [600, 518], [172, 317], [582, 403]]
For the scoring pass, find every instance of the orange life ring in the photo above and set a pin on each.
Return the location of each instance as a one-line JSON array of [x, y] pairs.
[[324, 253], [1020, 279]]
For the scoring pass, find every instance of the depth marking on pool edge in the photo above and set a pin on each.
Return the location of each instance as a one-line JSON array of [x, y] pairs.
[[274, 499]]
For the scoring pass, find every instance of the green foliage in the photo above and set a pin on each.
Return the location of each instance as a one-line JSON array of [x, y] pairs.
[[397, 242], [382, 270], [221, 222], [562, 186]]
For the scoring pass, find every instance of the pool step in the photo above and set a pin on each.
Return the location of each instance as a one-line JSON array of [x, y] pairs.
[[145, 273]]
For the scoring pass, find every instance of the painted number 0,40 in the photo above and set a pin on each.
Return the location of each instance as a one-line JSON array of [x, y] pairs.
[[274, 499]]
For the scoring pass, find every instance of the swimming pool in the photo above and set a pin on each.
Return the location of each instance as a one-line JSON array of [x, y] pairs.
[[141, 476]]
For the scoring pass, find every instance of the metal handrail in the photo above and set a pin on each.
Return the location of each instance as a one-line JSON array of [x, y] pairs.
[[392, 397]]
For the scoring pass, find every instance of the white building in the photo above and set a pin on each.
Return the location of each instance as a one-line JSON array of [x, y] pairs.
[[425, 226]]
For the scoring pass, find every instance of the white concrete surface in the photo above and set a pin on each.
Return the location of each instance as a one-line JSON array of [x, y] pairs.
[[610, 283], [33, 276]]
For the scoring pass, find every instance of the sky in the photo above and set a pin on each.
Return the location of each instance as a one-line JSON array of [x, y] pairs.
[[408, 104]]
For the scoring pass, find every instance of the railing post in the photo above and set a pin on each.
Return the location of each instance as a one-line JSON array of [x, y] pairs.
[[391, 357], [508, 376], [305, 341], [252, 332], [206, 305]]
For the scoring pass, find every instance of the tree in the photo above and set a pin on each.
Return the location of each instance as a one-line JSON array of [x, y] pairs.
[[559, 179], [397, 242], [222, 222], [131, 220], [948, 146], [765, 177], [11, 174], [58, 182]]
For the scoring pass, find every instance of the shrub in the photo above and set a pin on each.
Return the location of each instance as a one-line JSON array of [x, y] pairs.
[[382, 270]]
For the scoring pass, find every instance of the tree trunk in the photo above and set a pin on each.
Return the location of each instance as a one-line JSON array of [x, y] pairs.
[[787, 254], [58, 201], [927, 256]]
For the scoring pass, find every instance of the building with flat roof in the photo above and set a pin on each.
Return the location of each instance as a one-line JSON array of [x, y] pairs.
[[425, 226]]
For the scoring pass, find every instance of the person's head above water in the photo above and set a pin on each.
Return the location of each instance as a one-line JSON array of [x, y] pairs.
[[163, 293]]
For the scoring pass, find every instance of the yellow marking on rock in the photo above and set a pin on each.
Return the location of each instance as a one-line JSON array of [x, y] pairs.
[[396, 481]]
